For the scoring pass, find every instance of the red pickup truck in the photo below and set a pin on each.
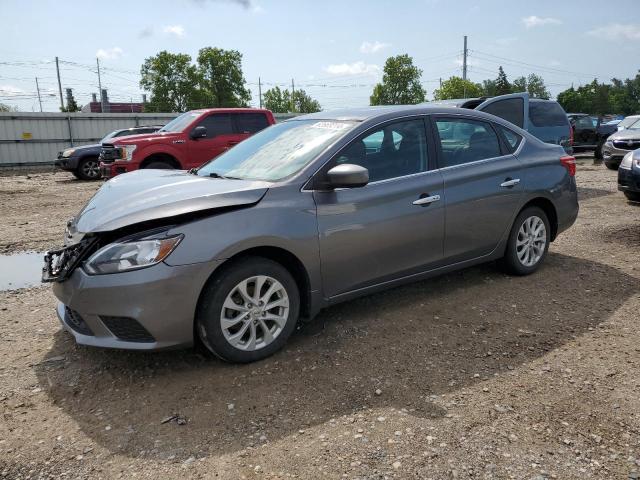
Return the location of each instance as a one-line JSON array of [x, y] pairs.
[[187, 141]]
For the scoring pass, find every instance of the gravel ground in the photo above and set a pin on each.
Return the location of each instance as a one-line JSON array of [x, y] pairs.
[[470, 375]]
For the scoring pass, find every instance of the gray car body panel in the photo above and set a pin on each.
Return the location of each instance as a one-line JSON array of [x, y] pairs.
[[350, 242]]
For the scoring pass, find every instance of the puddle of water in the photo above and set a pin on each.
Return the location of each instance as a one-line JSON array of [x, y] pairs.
[[20, 270]]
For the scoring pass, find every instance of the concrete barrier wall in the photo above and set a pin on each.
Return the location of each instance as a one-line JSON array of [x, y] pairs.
[[28, 139]]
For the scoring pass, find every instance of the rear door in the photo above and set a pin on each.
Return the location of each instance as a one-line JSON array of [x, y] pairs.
[[246, 124], [513, 108], [221, 135], [481, 183]]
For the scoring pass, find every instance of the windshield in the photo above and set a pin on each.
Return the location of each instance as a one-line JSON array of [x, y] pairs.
[[278, 151], [627, 122], [635, 125], [180, 122], [109, 135]]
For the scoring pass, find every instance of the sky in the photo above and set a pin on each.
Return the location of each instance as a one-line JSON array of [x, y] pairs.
[[334, 50]]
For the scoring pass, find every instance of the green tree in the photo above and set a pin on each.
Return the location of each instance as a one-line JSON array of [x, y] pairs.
[[533, 84], [221, 75], [400, 83], [7, 108], [173, 82], [72, 105], [503, 87], [279, 101], [489, 88], [456, 87]]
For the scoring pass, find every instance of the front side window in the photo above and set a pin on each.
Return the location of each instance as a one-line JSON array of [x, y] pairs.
[[395, 150], [463, 140], [510, 109], [277, 152], [583, 123], [217, 124]]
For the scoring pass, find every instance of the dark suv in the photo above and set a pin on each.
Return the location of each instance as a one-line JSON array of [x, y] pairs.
[[83, 161], [544, 119], [589, 133]]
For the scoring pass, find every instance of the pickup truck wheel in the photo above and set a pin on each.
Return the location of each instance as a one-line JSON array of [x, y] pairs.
[[248, 310], [597, 153], [88, 169], [160, 165], [528, 242]]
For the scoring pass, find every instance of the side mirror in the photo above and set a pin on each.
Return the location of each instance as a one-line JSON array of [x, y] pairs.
[[348, 175], [198, 132]]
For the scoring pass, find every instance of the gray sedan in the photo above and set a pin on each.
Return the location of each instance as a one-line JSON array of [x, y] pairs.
[[310, 212]]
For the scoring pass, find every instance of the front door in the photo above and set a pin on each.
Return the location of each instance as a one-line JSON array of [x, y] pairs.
[[482, 183], [393, 226], [221, 135]]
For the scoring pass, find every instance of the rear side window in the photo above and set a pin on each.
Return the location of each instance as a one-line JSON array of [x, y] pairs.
[[464, 140], [511, 138], [217, 124], [510, 109], [251, 122], [547, 114]]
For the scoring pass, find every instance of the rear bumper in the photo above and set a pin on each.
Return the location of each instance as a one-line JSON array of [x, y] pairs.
[[147, 309]]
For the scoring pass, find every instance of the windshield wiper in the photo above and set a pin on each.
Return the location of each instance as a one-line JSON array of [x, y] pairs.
[[217, 175]]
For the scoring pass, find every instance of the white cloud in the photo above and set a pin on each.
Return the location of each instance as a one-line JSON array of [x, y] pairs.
[[109, 53], [177, 30], [356, 68], [373, 47], [617, 31], [535, 21]]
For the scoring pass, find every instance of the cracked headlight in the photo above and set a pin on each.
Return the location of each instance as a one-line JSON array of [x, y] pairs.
[[133, 254]]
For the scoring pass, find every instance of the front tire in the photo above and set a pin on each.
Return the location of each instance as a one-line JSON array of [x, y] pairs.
[[598, 151], [611, 166], [159, 166], [528, 242], [248, 310], [88, 169]]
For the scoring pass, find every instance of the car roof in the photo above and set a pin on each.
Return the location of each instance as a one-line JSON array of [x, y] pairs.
[[362, 114], [232, 110]]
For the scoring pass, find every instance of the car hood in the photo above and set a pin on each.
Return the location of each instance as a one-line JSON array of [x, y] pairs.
[[143, 138], [85, 148], [145, 195], [627, 134]]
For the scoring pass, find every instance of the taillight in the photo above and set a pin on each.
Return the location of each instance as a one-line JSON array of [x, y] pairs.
[[569, 163], [570, 135]]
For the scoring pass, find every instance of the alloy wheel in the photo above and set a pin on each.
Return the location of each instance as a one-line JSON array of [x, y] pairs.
[[91, 169], [531, 241], [254, 313]]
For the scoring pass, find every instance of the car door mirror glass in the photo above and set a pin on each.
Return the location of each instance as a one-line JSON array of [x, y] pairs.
[[347, 175], [199, 132]]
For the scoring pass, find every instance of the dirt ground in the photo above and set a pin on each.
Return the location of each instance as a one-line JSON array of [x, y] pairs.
[[470, 375]]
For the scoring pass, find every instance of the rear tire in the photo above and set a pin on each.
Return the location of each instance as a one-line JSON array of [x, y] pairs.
[[611, 166], [632, 196], [232, 318], [528, 242], [159, 165], [88, 169]]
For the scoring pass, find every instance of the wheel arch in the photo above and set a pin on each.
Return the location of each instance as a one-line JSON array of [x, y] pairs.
[[161, 157], [548, 208]]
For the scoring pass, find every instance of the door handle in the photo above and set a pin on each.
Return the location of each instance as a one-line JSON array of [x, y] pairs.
[[508, 183], [427, 200]]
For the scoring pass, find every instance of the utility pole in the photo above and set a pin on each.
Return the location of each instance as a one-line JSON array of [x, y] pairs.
[[293, 90], [100, 87], [464, 59], [59, 85], [260, 91], [38, 89]]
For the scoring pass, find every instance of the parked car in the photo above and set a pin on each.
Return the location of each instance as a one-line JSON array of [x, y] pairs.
[[544, 119], [83, 161], [186, 142], [305, 214], [629, 175], [629, 122], [589, 133], [619, 144]]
